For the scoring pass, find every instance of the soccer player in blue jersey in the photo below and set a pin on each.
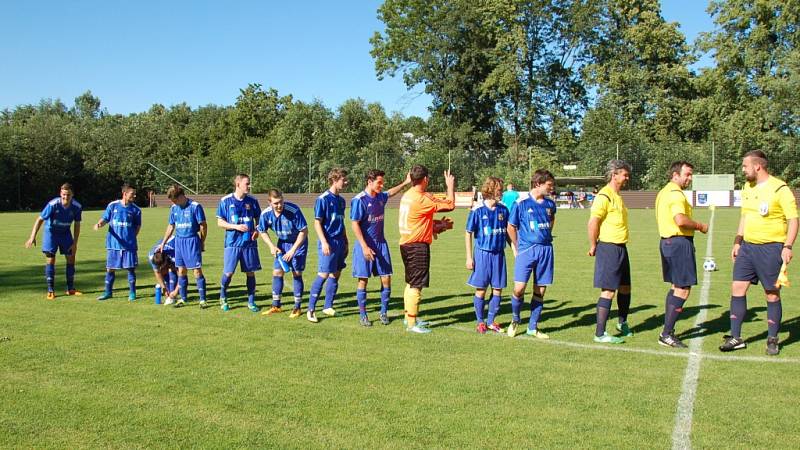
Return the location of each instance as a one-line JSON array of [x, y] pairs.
[[531, 231], [288, 223], [238, 214], [124, 221], [59, 214], [331, 244], [371, 256], [486, 224], [162, 259], [187, 220]]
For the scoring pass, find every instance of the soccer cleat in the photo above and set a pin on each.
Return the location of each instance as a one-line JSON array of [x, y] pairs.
[[364, 321], [224, 305], [772, 346], [512, 329], [732, 343], [203, 304], [481, 328], [311, 316], [51, 295], [384, 319], [537, 334], [272, 310], [420, 322], [495, 327], [180, 303], [624, 329], [295, 313], [132, 297], [104, 297], [74, 292], [670, 341], [329, 312], [419, 329], [608, 339], [253, 307]]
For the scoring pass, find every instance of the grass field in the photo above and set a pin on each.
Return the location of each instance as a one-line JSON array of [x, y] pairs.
[[78, 373]]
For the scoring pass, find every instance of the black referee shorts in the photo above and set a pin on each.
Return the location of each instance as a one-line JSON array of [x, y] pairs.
[[417, 261]]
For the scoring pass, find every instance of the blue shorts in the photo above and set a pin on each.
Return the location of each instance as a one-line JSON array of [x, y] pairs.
[[612, 268], [246, 257], [298, 262], [121, 259], [335, 261], [490, 269], [52, 244], [759, 263], [538, 260], [381, 266], [188, 252], [678, 263]]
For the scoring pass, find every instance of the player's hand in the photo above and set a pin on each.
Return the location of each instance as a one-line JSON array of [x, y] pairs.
[[449, 180], [288, 256], [30, 242], [703, 228], [160, 248], [274, 250], [254, 236], [470, 264], [408, 178], [592, 250], [735, 252], [326, 249], [369, 254], [786, 255], [96, 227], [241, 227], [202, 246]]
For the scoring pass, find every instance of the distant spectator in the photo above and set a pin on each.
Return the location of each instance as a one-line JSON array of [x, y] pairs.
[[509, 196]]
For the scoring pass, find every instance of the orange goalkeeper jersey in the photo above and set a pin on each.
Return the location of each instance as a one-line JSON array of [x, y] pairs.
[[416, 215]]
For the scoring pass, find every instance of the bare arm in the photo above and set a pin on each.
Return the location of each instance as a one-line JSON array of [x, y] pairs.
[[683, 221], [326, 249], [301, 237], [737, 241], [511, 230], [791, 234], [265, 237], [203, 234], [224, 224], [76, 231], [395, 190], [593, 229], [369, 254], [167, 234], [468, 243], [31, 242]]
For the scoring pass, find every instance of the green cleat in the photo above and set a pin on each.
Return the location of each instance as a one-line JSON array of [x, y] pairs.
[[253, 307], [608, 339], [224, 305], [132, 297], [624, 329], [103, 297]]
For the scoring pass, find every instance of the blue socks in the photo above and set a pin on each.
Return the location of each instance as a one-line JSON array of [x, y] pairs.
[[70, 277], [516, 307], [173, 281], [386, 294], [774, 313], [536, 311], [478, 302], [738, 311], [297, 287], [223, 286], [110, 282], [201, 287], [603, 308], [251, 290], [330, 292], [183, 286], [277, 290], [132, 281], [316, 289], [361, 298], [50, 277], [494, 308]]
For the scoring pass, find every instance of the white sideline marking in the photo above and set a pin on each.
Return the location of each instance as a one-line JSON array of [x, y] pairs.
[[682, 431]]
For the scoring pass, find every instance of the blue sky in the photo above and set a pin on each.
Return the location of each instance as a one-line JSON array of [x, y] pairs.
[[132, 54]]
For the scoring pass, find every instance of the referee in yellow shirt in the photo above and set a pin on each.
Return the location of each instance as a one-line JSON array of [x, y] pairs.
[[767, 229], [676, 228], [608, 236]]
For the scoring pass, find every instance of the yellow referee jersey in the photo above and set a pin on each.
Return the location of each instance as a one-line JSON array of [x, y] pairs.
[[610, 209], [766, 207], [670, 202]]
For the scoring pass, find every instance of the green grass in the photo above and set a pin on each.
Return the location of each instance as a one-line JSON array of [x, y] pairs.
[[79, 373]]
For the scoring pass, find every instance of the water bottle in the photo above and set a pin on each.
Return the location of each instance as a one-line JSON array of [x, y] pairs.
[[158, 294]]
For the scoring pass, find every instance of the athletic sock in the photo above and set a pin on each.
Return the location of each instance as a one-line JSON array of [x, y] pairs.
[[183, 286], [223, 286], [411, 298], [516, 307], [201, 287], [361, 298], [623, 306], [316, 289], [738, 311], [132, 281], [173, 281], [667, 302], [674, 308], [386, 294], [110, 276], [537, 304], [494, 308], [774, 313], [479, 302], [330, 292], [297, 287], [50, 277], [277, 290], [251, 290], [603, 308], [70, 277]]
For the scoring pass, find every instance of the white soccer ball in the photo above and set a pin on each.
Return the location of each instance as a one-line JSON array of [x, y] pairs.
[[709, 265]]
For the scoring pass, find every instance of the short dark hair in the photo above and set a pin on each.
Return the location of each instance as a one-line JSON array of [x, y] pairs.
[[127, 187], [759, 157], [336, 174], [677, 166], [174, 192], [66, 187], [239, 177], [418, 173], [541, 176], [373, 174], [160, 260], [275, 193]]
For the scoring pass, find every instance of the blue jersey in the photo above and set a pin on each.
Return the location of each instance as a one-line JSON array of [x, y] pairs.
[[286, 226], [368, 212], [58, 219], [235, 211], [169, 249], [329, 209], [488, 226], [187, 219], [123, 223], [532, 221]]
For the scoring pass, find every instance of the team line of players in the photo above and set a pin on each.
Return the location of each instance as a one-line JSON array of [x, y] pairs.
[[762, 249]]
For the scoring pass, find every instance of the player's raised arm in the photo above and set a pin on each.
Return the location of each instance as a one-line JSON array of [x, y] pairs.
[[396, 190]]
